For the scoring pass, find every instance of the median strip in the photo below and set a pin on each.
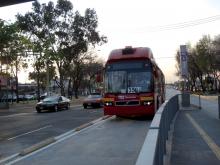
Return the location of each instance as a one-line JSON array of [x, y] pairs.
[[106, 117], [83, 126], [37, 146]]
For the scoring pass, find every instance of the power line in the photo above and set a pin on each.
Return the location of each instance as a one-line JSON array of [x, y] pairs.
[[185, 24]]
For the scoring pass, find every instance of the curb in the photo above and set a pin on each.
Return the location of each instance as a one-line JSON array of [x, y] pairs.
[[37, 146], [9, 158], [83, 126], [91, 123], [106, 117]]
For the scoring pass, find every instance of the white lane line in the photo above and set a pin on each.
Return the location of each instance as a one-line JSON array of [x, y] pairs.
[[30, 132], [18, 114], [61, 138]]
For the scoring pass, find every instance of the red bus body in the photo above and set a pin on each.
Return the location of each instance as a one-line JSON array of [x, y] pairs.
[[134, 84]]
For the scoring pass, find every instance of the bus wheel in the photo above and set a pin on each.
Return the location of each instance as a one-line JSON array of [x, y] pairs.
[[158, 103]]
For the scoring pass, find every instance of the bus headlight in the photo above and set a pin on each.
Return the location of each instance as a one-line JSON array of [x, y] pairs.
[[147, 103], [108, 103]]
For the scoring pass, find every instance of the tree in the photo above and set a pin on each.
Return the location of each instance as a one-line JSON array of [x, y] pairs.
[[193, 70], [38, 25], [7, 33], [13, 46], [203, 63], [92, 70], [79, 69], [204, 55], [76, 37], [216, 60], [42, 80], [62, 34]]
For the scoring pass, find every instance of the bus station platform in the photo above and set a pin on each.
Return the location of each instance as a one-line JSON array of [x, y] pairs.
[[196, 137]]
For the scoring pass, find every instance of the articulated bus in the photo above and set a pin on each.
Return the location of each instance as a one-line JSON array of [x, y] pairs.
[[133, 83]]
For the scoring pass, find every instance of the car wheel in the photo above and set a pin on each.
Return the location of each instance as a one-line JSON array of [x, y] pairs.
[[85, 106], [68, 106], [55, 108], [38, 111]]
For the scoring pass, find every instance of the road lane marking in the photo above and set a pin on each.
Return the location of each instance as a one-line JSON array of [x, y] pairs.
[[30, 132], [212, 145], [18, 114], [61, 138]]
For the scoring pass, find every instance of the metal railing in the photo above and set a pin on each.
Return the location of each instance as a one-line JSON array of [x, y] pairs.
[[154, 147]]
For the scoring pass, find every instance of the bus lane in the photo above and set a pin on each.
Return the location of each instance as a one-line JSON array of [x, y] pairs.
[[115, 141]]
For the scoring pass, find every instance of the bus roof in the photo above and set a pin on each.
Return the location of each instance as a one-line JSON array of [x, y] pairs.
[[130, 53]]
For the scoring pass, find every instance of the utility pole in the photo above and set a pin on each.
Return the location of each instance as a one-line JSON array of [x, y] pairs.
[[38, 78], [48, 78]]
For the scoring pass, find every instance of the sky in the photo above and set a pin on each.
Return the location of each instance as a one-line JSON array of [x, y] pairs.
[[141, 23]]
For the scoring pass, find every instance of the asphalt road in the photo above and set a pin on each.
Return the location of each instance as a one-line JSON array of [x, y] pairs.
[[170, 92], [115, 141], [23, 128]]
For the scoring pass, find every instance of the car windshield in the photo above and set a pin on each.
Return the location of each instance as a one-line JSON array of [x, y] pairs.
[[51, 99]]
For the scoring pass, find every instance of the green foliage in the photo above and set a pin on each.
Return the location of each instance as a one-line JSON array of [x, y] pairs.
[[203, 63], [7, 33], [12, 46], [42, 75], [61, 34]]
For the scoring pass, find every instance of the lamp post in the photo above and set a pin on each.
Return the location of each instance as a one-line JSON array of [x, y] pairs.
[[48, 77]]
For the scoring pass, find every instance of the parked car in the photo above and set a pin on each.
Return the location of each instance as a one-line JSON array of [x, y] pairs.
[[44, 95], [29, 97], [54, 103], [10, 97], [93, 100]]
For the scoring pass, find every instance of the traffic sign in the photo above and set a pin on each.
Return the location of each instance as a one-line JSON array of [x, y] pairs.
[[184, 61]]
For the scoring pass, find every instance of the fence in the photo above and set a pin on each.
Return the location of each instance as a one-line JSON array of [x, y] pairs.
[[154, 147]]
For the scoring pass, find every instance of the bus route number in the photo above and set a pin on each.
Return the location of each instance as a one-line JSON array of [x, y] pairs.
[[134, 89]]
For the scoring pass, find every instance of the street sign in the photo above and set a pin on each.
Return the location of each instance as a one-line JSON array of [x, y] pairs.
[[184, 61]]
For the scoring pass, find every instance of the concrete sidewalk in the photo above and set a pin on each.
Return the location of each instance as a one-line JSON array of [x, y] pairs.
[[196, 138]]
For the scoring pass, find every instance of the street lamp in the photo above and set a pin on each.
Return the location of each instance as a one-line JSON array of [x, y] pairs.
[[48, 77]]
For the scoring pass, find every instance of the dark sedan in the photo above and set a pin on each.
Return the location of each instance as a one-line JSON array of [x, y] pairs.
[[54, 103]]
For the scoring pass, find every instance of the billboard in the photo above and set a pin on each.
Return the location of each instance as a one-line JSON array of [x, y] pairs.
[[183, 61]]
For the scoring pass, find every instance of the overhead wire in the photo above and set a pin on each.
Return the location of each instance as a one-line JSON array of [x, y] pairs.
[[185, 24]]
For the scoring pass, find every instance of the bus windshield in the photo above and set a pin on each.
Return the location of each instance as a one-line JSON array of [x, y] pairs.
[[128, 81]]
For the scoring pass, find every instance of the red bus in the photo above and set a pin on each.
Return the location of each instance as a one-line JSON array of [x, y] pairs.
[[133, 83]]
